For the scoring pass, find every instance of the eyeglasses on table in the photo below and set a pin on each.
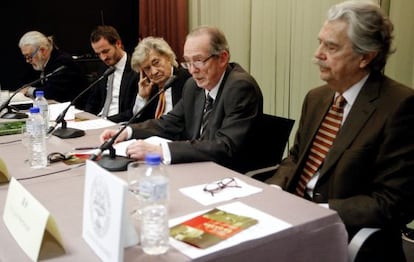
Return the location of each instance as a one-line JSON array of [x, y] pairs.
[[216, 187]]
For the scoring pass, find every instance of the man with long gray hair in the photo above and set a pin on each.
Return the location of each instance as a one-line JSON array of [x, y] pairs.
[[41, 52], [354, 149]]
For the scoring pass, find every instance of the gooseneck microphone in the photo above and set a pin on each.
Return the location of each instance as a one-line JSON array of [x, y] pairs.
[[68, 132], [112, 162], [17, 115]]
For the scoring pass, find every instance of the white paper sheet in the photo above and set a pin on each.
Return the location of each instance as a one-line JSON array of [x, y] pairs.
[[205, 198], [19, 98], [90, 124], [56, 109], [267, 225]]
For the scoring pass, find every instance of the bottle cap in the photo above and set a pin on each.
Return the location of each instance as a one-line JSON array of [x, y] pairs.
[[152, 159], [34, 110], [39, 93]]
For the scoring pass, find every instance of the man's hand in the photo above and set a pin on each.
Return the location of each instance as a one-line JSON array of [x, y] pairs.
[[25, 91], [144, 85], [140, 148], [108, 133]]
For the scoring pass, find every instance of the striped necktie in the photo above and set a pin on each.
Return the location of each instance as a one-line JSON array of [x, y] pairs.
[[322, 143], [161, 106], [208, 106]]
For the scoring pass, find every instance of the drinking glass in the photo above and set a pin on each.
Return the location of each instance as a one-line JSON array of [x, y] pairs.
[[134, 172], [25, 142], [4, 95]]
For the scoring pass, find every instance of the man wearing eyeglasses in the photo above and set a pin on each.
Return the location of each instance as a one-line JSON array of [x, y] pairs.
[[40, 51], [214, 131]]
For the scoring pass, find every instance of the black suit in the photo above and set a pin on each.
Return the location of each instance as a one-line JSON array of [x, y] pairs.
[[238, 104], [65, 85], [127, 93], [368, 175], [176, 92]]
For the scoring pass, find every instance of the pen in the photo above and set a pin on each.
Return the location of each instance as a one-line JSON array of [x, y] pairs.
[[86, 148]]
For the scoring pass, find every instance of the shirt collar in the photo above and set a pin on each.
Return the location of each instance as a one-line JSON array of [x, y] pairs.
[[122, 62], [213, 92], [351, 93]]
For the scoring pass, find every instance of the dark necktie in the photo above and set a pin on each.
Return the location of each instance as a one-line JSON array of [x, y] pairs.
[[208, 106], [322, 143], [108, 100], [42, 74]]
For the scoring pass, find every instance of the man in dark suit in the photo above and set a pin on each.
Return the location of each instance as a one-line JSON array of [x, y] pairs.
[[234, 103], [156, 62], [45, 57], [114, 105], [367, 173]]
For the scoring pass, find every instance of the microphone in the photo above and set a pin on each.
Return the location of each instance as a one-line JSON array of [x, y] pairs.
[[68, 132], [17, 115], [113, 162]]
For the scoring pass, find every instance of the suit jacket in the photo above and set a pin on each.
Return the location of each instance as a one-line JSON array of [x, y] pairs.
[[176, 91], [237, 105], [65, 85], [127, 93], [367, 177]]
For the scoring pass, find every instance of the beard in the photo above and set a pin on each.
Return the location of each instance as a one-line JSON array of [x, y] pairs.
[[40, 64]]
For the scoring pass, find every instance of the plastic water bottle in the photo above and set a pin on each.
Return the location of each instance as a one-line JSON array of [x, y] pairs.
[[37, 139], [153, 189], [41, 103]]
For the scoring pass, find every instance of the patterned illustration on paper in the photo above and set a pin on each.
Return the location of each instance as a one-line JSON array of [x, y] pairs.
[[100, 207], [210, 228]]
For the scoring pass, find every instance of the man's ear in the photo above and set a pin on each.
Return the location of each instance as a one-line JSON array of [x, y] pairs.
[[367, 58], [224, 57]]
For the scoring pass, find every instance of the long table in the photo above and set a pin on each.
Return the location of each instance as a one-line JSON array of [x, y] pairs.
[[316, 234]]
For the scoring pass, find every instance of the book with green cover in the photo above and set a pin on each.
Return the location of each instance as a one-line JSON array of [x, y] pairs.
[[12, 127], [210, 228]]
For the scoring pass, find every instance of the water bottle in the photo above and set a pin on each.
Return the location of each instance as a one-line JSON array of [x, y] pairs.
[[37, 138], [153, 190], [41, 103]]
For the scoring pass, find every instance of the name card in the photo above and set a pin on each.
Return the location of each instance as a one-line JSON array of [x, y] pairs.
[[4, 173], [31, 224], [106, 227]]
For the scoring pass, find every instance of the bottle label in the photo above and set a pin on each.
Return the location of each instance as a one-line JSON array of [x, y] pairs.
[[35, 129], [153, 189]]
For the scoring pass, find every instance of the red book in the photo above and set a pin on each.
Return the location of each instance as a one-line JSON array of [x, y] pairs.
[[210, 228]]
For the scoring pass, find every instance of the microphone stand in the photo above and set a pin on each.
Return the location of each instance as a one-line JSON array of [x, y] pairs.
[[68, 132], [112, 162], [18, 115]]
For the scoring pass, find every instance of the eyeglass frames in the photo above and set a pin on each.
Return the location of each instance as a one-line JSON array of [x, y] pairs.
[[216, 187], [196, 64], [30, 57]]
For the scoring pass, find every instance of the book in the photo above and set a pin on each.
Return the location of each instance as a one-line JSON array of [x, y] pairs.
[[12, 127], [210, 228]]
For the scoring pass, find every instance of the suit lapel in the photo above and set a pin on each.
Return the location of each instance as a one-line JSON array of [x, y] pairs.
[[315, 119], [360, 112]]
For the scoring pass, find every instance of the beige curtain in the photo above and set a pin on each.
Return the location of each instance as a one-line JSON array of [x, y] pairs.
[[275, 40]]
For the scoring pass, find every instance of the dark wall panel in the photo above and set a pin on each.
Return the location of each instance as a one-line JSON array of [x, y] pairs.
[[70, 22]]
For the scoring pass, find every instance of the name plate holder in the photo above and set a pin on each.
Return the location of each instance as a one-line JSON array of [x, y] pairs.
[[106, 226], [4, 173], [31, 224]]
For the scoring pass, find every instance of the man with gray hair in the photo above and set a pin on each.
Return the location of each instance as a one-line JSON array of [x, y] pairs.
[[354, 148], [41, 52], [156, 62], [218, 109]]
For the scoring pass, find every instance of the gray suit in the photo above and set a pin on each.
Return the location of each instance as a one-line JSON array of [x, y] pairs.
[[238, 104], [368, 175]]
